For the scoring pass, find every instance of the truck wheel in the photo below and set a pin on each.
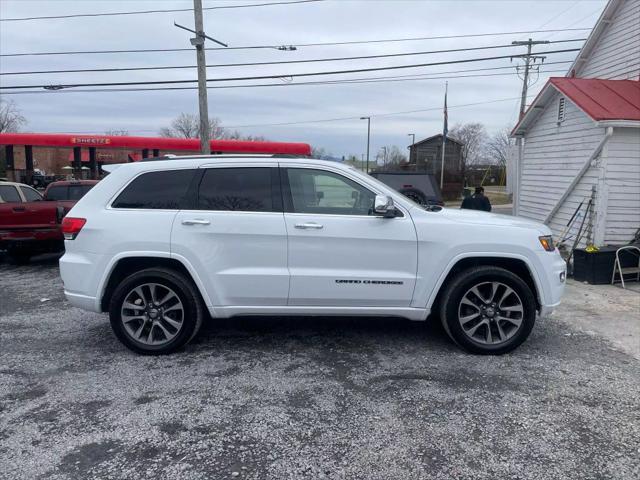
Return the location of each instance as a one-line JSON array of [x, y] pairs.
[[19, 257], [415, 195], [488, 310], [155, 311]]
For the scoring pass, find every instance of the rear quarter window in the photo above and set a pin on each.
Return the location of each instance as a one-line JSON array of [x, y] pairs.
[[166, 190]]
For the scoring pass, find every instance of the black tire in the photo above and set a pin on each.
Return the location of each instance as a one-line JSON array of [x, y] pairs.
[[19, 257], [462, 284], [415, 195], [184, 289]]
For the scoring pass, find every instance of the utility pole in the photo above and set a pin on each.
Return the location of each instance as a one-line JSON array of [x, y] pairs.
[[523, 103], [368, 119], [413, 141], [527, 66], [203, 106], [198, 42]]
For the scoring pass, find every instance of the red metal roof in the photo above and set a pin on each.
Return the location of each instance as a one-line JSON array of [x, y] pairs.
[[160, 143], [602, 99]]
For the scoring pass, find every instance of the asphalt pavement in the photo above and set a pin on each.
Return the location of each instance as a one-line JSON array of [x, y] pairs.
[[309, 398]]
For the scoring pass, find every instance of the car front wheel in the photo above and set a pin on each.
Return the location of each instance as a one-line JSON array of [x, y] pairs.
[[155, 311], [488, 310]]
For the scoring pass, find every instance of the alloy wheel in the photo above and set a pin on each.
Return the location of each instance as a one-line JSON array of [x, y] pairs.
[[490, 313], [152, 314]]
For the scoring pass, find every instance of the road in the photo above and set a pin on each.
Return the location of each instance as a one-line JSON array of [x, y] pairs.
[[307, 398]]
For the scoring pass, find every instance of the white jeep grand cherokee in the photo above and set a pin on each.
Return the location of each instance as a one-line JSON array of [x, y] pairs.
[[161, 244]]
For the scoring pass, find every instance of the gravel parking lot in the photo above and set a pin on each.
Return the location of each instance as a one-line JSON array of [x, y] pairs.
[[309, 398]]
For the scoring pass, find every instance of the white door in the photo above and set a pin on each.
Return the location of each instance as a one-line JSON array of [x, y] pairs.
[[235, 236], [340, 254]]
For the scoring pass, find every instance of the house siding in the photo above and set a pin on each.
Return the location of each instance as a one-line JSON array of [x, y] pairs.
[[623, 184], [617, 53], [553, 156]]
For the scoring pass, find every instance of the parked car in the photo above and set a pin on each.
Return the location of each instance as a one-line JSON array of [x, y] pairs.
[[30, 222], [422, 188], [28, 225], [160, 244], [40, 180], [68, 192]]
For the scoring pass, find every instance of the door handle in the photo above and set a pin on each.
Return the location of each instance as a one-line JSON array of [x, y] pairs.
[[19, 209], [306, 226], [196, 221]]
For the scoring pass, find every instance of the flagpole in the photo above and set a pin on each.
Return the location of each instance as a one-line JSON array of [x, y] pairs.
[[444, 136]]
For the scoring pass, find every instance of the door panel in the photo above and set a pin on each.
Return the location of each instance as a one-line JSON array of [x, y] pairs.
[[236, 238], [351, 259]]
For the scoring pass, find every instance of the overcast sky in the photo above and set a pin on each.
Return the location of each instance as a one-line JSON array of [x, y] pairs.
[[254, 110]]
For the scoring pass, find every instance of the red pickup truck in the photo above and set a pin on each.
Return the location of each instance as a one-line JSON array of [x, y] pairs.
[[30, 223]]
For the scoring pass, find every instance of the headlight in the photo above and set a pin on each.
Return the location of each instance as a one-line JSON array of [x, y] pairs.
[[547, 243]]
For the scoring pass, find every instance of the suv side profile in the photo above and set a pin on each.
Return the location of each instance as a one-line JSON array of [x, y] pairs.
[[161, 244]]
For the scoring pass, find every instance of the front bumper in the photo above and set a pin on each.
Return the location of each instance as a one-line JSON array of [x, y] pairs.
[[553, 282]]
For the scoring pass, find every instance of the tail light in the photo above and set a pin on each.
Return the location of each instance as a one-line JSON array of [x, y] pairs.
[[71, 227]]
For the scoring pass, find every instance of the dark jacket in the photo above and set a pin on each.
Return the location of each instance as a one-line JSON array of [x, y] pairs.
[[468, 203], [481, 202]]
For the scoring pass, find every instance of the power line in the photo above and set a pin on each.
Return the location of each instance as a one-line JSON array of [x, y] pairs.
[[297, 45], [278, 76], [324, 82], [282, 62], [326, 120], [560, 14], [145, 12]]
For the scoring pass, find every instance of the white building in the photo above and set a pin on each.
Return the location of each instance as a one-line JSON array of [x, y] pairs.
[[581, 135]]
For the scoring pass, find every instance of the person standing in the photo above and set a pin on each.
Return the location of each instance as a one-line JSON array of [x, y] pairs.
[[480, 201], [467, 202]]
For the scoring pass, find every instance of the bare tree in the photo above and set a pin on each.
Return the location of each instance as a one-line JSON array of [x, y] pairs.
[[187, 125], [390, 155], [117, 132], [319, 152], [236, 135], [11, 120], [498, 146], [473, 136]]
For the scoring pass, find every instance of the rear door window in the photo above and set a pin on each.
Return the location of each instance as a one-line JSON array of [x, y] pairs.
[[30, 194], [166, 190], [9, 194], [248, 189]]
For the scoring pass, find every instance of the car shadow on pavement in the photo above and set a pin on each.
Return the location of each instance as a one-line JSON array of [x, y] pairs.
[[272, 332], [45, 259]]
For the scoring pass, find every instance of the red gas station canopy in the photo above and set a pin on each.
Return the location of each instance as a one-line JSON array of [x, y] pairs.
[[156, 143]]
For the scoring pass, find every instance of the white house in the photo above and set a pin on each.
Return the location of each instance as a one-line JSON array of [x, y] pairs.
[[581, 135]]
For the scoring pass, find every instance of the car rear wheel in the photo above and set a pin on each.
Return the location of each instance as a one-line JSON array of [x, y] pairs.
[[155, 311], [488, 310]]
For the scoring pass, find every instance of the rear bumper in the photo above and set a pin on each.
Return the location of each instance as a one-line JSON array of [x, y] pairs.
[[81, 274], [82, 301], [32, 242]]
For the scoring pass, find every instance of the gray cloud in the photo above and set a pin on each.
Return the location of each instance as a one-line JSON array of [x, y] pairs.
[[333, 20]]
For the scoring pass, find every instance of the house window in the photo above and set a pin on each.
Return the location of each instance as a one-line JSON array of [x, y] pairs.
[[561, 109]]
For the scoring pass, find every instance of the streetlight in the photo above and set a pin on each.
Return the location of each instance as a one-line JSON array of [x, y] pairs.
[[368, 119], [413, 141]]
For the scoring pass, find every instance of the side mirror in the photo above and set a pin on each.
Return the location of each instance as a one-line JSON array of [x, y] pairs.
[[383, 205]]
